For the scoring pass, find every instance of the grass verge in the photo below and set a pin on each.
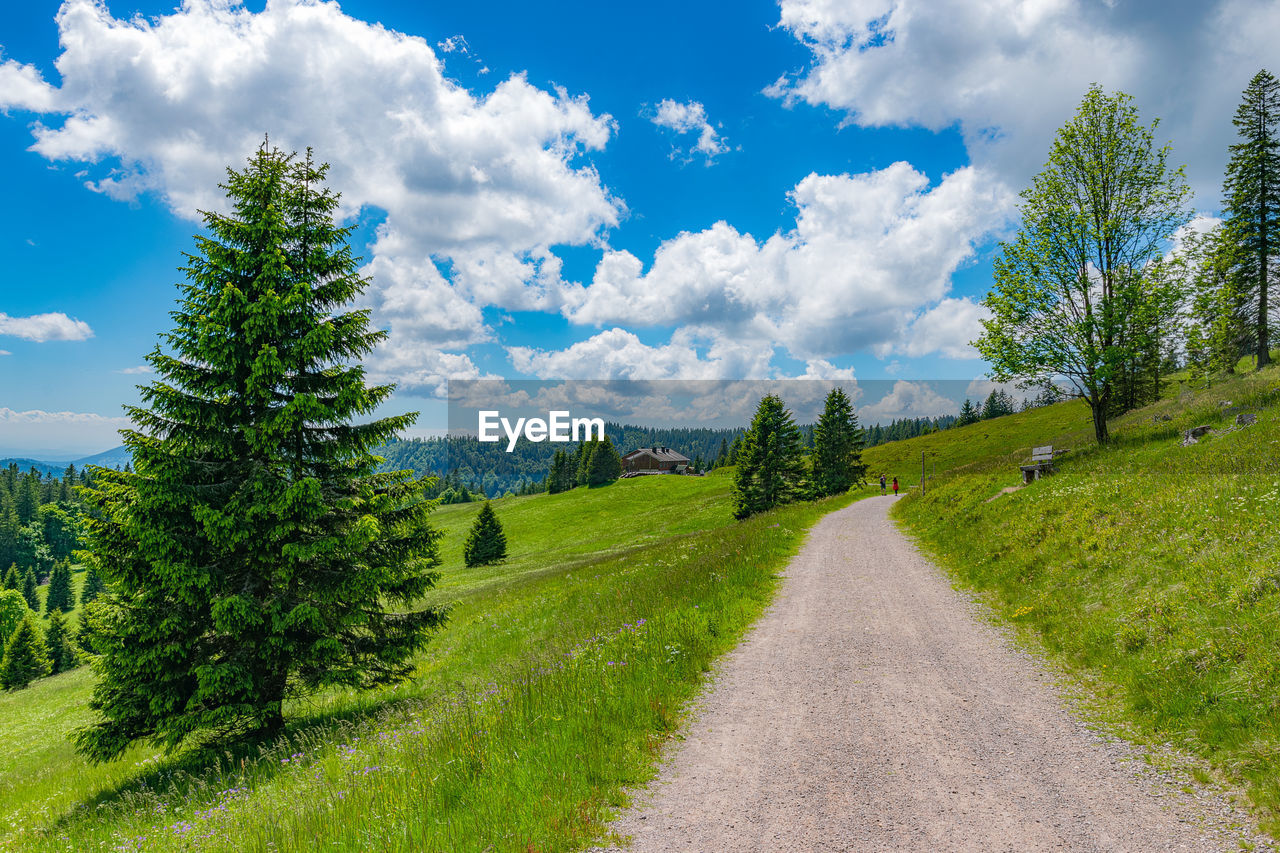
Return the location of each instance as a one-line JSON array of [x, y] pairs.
[[1148, 568]]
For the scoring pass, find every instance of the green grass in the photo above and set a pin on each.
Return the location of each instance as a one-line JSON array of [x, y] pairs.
[[558, 678], [1150, 570], [1009, 438]]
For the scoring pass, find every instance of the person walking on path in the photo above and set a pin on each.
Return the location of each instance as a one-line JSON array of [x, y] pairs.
[[882, 485], [895, 487]]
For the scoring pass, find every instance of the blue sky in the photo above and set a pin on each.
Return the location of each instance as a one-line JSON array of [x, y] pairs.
[[811, 188]]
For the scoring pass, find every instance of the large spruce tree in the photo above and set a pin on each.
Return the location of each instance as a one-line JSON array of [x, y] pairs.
[[1252, 199], [253, 554], [837, 447], [770, 466]]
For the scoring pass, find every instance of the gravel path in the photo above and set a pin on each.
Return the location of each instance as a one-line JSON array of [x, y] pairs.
[[872, 709]]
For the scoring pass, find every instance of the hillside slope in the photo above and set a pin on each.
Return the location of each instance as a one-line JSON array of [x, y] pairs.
[[1147, 567], [559, 675]]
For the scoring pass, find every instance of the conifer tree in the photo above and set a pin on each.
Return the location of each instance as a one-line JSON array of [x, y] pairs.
[[29, 587], [253, 554], [770, 469], [585, 450], [1252, 199], [1218, 327], [59, 596], [604, 465], [9, 529], [558, 481], [27, 500], [86, 629], [93, 585], [969, 414], [13, 609], [837, 447], [11, 578], [486, 542], [25, 657], [57, 641]]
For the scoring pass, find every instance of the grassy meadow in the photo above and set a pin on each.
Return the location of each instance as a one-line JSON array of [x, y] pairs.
[[559, 676], [1149, 569]]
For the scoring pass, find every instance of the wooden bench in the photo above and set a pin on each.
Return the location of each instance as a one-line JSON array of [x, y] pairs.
[[1041, 464]]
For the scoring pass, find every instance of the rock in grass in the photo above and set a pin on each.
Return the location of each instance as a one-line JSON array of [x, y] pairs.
[[1193, 435], [1246, 419]]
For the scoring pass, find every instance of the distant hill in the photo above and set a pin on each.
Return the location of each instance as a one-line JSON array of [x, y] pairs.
[[45, 468], [115, 458]]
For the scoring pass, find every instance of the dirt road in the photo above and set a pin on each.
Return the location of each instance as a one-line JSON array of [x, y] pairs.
[[872, 709]]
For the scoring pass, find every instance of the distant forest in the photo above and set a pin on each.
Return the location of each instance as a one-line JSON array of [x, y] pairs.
[[463, 462], [489, 468]]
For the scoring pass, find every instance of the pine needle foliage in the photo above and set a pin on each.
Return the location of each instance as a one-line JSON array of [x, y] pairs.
[[770, 468], [92, 587], [57, 642], [25, 657], [1251, 193], [486, 541], [29, 587], [837, 447], [60, 596], [604, 465], [253, 554]]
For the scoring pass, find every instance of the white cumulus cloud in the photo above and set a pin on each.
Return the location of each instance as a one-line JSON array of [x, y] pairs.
[[690, 117], [163, 105], [54, 326], [867, 253], [948, 328], [907, 400], [1008, 73]]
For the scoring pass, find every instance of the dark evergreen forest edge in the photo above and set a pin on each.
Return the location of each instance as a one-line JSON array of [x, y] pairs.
[[489, 470]]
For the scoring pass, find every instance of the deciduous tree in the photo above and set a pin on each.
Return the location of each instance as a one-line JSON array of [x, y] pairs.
[[1072, 289], [13, 609]]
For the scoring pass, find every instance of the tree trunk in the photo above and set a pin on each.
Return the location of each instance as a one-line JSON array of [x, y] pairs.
[[1264, 345], [1098, 407]]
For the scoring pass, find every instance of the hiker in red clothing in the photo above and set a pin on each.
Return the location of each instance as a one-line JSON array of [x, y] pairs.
[[895, 487]]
